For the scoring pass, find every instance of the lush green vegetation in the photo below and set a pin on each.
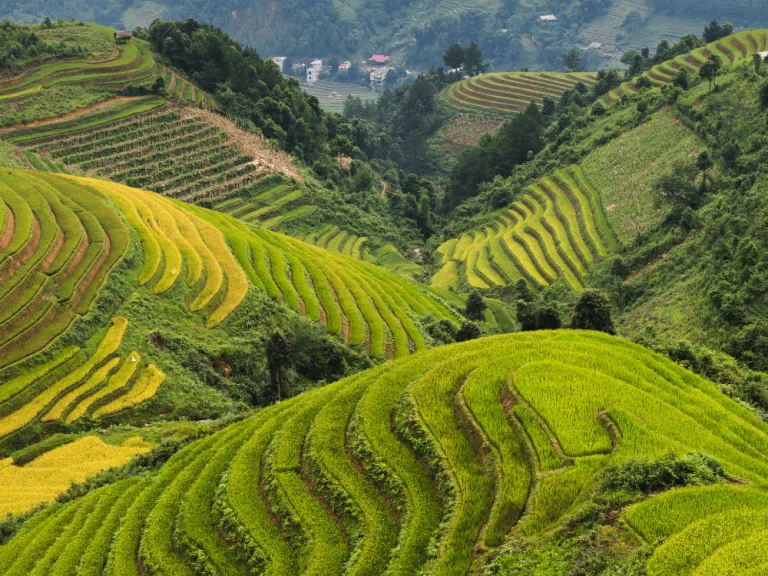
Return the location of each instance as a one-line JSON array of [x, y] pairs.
[[436, 436]]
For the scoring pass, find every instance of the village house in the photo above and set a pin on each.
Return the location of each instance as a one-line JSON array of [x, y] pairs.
[[313, 71], [378, 76], [345, 66], [379, 60], [123, 36], [548, 18], [280, 61]]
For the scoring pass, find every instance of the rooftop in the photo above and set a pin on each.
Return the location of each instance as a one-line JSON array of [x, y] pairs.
[[379, 58]]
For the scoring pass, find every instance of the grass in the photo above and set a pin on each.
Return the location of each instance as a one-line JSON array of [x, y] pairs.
[[413, 465], [624, 170]]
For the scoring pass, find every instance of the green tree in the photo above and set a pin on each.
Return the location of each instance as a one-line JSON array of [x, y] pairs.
[[710, 69], [476, 306], [704, 164], [158, 86], [757, 63], [278, 360], [678, 189], [593, 312], [454, 56], [715, 31], [682, 80], [473, 60], [363, 179], [764, 95], [468, 331], [571, 60], [643, 82]]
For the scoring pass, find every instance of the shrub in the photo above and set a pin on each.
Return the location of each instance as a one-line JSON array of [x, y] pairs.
[[468, 331], [647, 476]]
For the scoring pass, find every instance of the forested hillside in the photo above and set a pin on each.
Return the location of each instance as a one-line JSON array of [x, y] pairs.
[[417, 31]]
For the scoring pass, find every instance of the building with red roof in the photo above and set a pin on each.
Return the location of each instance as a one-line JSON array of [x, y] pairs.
[[379, 60]]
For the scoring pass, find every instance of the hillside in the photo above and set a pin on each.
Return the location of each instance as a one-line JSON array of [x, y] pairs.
[[419, 31], [428, 463], [733, 50], [120, 305]]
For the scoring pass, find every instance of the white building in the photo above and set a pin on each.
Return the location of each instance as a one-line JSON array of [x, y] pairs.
[[280, 61], [548, 18], [378, 76], [313, 72]]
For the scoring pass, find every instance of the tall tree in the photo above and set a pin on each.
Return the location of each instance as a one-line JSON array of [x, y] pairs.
[[593, 312], [473, 60], [572, 60], [710, 69], [476, 306], [454, 56]]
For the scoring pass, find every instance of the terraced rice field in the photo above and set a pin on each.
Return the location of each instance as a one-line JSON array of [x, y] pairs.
[[426, 464], [733, 50], [270, 205], [41, 480], [332, 95], [342, 242], [61, 235], [558, 229], [511, 92], [175, 152], [133, 62], [57, 245]]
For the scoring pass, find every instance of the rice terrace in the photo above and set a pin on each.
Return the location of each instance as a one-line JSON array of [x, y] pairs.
[[494, 322]]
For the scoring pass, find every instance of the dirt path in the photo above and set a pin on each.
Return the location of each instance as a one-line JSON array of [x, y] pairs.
[[264, 153], [384, 188]]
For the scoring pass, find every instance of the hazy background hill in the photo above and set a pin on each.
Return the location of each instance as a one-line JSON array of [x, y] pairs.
[[418, 31]]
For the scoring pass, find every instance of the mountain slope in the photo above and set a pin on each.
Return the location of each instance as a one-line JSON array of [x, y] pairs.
[[511, 34], [461, 443], [116, 302]]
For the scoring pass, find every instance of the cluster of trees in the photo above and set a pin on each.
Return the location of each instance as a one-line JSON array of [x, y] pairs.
[[20, 46], [468, 60], [247, 86]]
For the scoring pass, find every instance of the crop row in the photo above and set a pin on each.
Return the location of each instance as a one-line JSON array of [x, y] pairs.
[[179, 156], [512, 92], [58, 244], [423, 465], [358, 301], [267, 204], [557, 229], [69, 386], [339, 241], [212, 254], [732, 50]]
